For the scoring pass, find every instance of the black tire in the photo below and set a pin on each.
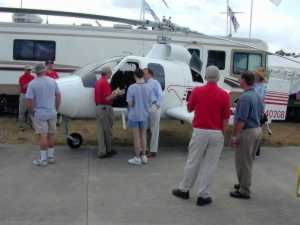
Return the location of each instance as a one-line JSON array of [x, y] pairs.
[[75, 141]]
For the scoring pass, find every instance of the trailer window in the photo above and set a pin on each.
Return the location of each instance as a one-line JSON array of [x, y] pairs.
[[246, 61], [216, 58], [158, 73], [34, 50]]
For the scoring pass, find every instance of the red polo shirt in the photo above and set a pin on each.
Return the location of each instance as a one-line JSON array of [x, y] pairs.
[[52, 73], [102, 91], [24, 80], [211, 105]]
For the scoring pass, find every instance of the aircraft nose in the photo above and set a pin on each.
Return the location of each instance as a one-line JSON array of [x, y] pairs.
[[69, 88]]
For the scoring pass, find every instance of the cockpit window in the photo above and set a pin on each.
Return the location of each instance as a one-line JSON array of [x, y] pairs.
[[158, 73], [196, 67], [88, 73]]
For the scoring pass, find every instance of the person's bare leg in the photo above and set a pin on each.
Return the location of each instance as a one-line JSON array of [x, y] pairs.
[[51, 140], [143, 138], [43, 142], [137, 142], [51, 149]]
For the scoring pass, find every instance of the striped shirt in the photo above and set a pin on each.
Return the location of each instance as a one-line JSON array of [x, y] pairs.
[[139, 96]]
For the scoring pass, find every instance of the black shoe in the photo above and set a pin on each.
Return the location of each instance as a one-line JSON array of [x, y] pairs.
[[204, 201], [181, 194], [236, 187], [237, 194], [103, 155], [151, 154], [112, 152]]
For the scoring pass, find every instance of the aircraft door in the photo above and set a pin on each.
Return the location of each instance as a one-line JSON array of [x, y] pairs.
[[121, 79]]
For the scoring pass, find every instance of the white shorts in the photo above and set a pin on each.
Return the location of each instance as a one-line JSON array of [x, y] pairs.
[[44, 126]]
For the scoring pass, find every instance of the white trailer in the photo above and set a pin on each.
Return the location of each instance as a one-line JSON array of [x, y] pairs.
[[72, 46]]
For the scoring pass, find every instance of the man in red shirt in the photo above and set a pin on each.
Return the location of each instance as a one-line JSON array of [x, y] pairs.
[[104, 112], [50, 70], [211, 105], [24, 80]]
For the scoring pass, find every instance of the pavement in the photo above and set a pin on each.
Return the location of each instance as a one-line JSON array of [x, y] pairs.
[[83, 190]]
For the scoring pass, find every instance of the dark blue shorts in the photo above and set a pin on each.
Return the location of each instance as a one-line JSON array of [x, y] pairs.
[[137, 124]]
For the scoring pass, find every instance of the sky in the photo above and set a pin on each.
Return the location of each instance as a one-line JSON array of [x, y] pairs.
[[279, 25]]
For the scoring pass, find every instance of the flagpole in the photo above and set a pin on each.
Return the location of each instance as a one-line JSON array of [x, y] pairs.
[[227, 18], [251, 13], [142, 14]]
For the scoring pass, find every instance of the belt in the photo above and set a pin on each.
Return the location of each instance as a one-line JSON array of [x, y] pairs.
[[102, 104], [104, 107]]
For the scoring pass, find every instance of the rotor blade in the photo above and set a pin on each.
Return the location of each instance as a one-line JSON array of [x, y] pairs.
[[74, 14]]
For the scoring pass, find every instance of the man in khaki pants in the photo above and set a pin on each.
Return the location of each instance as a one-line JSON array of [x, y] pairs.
[[43, 101], [154, 111], [211, 105], [104, 113], [24, 80], [246, 134]]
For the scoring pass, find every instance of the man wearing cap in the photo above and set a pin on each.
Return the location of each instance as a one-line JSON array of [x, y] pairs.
[[24, 80], [155, 111], [211, 106], [43, 100], [104, 112], [50, 70], [246, 133]]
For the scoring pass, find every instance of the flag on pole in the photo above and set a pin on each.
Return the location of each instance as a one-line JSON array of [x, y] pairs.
[[147, 8], [276, 2], [165, 3], [233, 19]]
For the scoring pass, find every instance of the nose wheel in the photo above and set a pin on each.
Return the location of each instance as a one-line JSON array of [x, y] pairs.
[[74, 140]]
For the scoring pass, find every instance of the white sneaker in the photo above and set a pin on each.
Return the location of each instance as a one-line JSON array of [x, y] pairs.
[[144, 159], [51, 160], [135, 161], [39, 162]]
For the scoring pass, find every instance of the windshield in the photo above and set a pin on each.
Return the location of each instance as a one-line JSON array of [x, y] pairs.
[[89, 71]]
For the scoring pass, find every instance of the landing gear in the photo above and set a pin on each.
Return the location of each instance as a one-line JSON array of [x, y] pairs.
[[74, 140]]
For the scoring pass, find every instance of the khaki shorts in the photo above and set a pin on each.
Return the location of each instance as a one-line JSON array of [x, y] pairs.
[[44, 126]]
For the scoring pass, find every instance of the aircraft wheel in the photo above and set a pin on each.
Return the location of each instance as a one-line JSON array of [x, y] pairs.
[[74, 140]]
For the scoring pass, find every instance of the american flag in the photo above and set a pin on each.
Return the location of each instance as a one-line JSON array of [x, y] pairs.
[[233, 19]]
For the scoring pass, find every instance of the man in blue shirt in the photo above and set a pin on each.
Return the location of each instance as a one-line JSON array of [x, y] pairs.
[[246, 134], [154, 111]]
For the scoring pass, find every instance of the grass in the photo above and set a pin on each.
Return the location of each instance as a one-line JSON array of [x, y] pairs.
[[172, 133]]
